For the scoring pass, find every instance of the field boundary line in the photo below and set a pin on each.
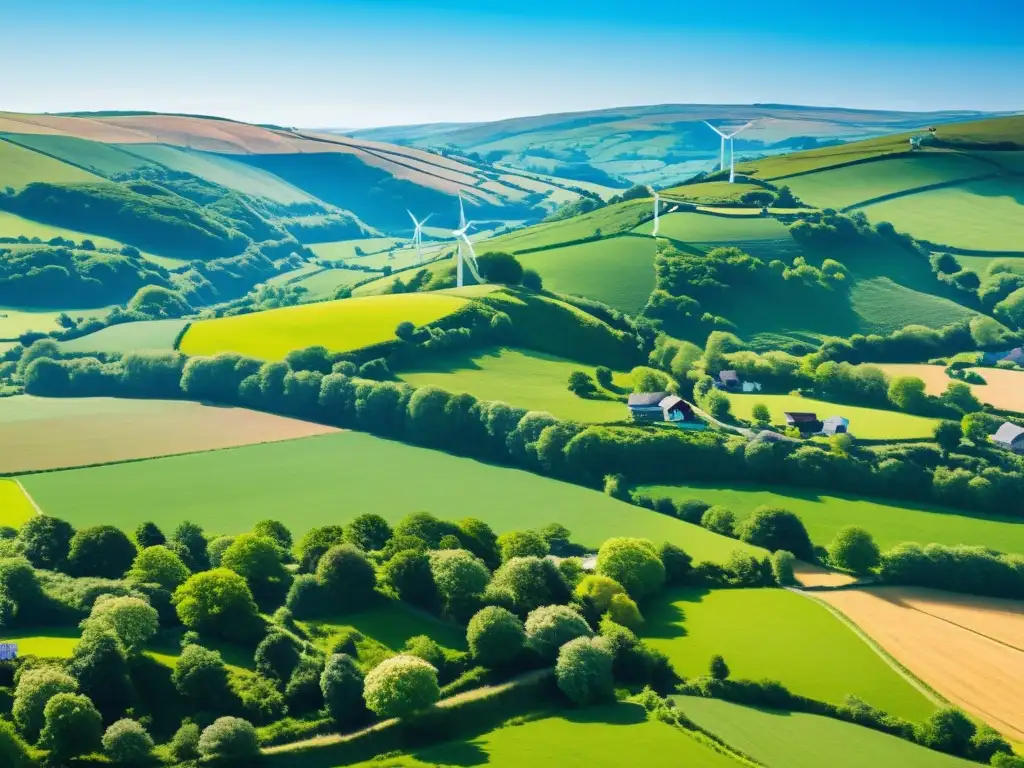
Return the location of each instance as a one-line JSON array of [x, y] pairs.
[[28, 496], [917, 190], [930, 693]]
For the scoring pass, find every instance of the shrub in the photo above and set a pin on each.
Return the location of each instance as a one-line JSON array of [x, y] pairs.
[[342, 687], [409, 574], [230, 739], [257, 559], [719, 520], [276, 656], [184, 745], [35, 688], [400, 686], [596, 592], [132, 619], [571, 569], [692, 510], [149, 535], [717, 668], [782, 568], [315, 543], [47, 541], [525, 583], [189, 543], [73, 727], [947, 730], [581, 384], [423, 647], [158, 565], [774, 528], [460, 577], [200, 675], [305, 598], [522, 544], [634, 563], [98, 663], [218, 602], [478, 537], [348, 578], [584, 671], [127, 743], [368, 531], [495, 636], [12, 752], [550, 627], [854, 550], [678, 564], [102, 550], [303, 693], [623, 610]]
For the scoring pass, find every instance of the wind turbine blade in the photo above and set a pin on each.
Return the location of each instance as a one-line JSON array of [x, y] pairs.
[[709, 125], [462, 211], [738, 131], [422, 223], [415, 223]]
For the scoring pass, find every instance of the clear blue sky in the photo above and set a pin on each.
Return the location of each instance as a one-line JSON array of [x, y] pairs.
[[318, 63]]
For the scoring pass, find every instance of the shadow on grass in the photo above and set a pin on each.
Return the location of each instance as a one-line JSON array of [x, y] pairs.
[[665, 615], [455, 753]]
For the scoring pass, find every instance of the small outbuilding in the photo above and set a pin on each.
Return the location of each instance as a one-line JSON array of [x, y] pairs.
[[805, 422], [835, 425], [729, 380], [646, 406], [1010, 437], [676, 409]]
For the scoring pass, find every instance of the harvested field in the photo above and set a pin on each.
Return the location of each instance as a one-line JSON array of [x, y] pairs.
[[816, 576], [56, 433], [1002, 388], [15, 506], [969, 649]]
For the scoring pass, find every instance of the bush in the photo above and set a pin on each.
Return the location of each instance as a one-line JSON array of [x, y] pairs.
[[782, 568], [184, 745], [127, 743], [47, 541], [595, 592], [12, 752], [719, 520], [947, 730], [368, 531], [774, 529], [73, 727], [461, 579], [218, 602], [584, 671], [35, 688], [315, 544], [717, 668], [525, 583], [581, 384], [303, 694], [495, 636], [342, 687], [348, 578], [678, 564], [201, 676], [102, 550], [550, 627], [305, 597], [257, 559], [98, 663], [276, 531], [522, 544], [854, 550], [276, 656], [158, 565], [133, 620], [230, 739], [409, 574], [149, 535], [400, 686], [691, 510], [634, 563], [189, 543]]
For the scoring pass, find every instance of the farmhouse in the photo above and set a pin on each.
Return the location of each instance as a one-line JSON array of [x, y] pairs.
[[835, 425], [730, 380], [659, 406], [1013, 355], [1010, 437], [805, 422], [676, 409]]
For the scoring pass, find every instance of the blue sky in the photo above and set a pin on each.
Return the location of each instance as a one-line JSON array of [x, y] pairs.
[[317, 63]]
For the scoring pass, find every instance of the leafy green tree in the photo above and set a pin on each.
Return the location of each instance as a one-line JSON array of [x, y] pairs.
[[102, 550], [581, 384], [522, 544], [948, 435], [342, 688], [277, 655], [73, 727], [149, 535], [525, 583], [190, 546], [276, 530], [315, 543], [306, 598], [257, 559], [678, 564], [348, 578], [550, 627], [718, 669], [46, 541], [201, 676], [425, 526], [495, 636], [230, 740], [634, 563], [976, 428], [35, 688], [760, 414], [184, 745], [158, 565], [368, 531], [500, 267], [854, 549], [775, 528], [584, 671], [461, 578], [571, 570], [603, 374], [782, 568], [623, 610], [947, 730], [532, 280], [400, 686], [13, 753], [961, 396], [479, 538], [409, 574], [596, 592], [99, 664], [133, 620], [218, 602], [127, 743], [720, 520], [216, 548], [908, 394]]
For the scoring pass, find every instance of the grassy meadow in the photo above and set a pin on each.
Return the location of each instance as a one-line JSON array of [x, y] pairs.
[[20, 166], [12, 225], [890, 523], [340, 326], [332, 478], [15, 506], [16, 321], [618, 271], [99, 157], [522, 378], [703, 228], [611, 220], [322, 285], [866, 423], [141, 336], [346, 249], [779, 635], [597, 737], [797, 740]]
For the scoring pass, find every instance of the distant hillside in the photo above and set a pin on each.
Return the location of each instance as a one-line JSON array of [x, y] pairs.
[[658, 144]]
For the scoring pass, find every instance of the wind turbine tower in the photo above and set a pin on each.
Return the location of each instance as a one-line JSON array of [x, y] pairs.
[[657, 210], [721, 157], [732, 150], [466, 255], [417, 237]]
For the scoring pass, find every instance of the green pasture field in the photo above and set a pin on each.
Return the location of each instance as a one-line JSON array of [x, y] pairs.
[[16, 321], [332, 478], [797, 740], [340, 326], [346, 249], [1011, 161], [556, 181], [51, 642], [610, 736], [322, 285], [884, 305], [15, 506], [140, 336], [689, 227], [890, 523], [103, 159], [711, 191], [776, 634], [287, 277], [867, 423], [782, 166], [610, 220], [843, 187], [978, 215], [12, 225], [989, 266], [222, 170], [20, 166], [522, 378], [401, 258], [618, 271]]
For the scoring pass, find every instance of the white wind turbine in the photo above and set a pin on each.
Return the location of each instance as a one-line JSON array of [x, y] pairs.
[[657, 210], [732, 150], [417, 237], [721, 157], [470, 259]]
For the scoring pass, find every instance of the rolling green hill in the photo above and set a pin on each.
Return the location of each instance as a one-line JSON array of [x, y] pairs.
[[20, 167]]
